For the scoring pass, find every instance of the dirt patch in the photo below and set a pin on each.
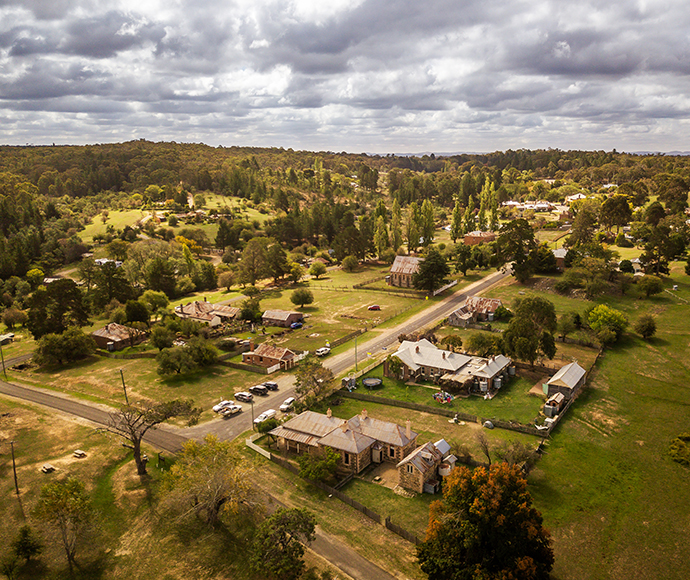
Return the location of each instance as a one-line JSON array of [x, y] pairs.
[[387, 474]]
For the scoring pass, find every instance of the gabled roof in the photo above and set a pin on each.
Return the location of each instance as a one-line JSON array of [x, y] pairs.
[[560, 252], [116, 332], [479, 304], [443, 446], [273, 351], [384, 431], [205, 310], [424, 458], [347, 440], [311, 423], [423, 353], [493, 366], [568, 376], [279, 314], [556, 399], [406, 265]]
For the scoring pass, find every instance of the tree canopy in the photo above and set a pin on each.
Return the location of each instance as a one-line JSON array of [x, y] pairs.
[[486, 528]]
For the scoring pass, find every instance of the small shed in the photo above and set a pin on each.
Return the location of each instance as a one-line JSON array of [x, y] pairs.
[[554, 404], [282, 318], [114, 336], [568, 381], [419, 470]]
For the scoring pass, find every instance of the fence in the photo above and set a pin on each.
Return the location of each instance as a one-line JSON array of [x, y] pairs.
[[347, 337], [371, 514], [408, 405], [131, 355], [444, 288], [244, 367]]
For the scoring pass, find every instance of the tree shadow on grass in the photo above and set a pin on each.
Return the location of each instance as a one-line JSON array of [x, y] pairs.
[[80, 364], [193, 377]]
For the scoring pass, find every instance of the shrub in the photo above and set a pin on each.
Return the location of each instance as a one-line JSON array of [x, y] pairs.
[[350, 264]]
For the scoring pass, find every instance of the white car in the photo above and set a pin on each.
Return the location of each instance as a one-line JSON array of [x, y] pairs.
[[231, 410], [287, 404], [323, 351], [268, 414], [220, 406]]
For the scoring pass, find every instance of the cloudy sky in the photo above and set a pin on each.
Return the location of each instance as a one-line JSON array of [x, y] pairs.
[[379, 76]]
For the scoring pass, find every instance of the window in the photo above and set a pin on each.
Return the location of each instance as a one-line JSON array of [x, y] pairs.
[[410, 469], [391, 451], [346, 458]]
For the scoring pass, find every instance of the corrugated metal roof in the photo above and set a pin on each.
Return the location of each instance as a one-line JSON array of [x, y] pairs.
[[273, 351], [479, 304], [114, 331], [424, 353], [423, 464], [443, 446], [568, 376], [349, 441], [313, 423], [279, 314], [405, 265], [384, 431], [205, 310], [295, 436]]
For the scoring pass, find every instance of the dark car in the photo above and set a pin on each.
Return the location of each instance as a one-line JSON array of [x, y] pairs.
[[259, 390], [296, 325], [270, 385], [374, 307], [246, 397]]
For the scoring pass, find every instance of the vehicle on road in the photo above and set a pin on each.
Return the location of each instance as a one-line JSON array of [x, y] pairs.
[[244, 396], [323, 351], [259, 390], [296, 325], [374, 307], [270, 385], [231, 410], [267, 414], [220, 406], [287, 404]]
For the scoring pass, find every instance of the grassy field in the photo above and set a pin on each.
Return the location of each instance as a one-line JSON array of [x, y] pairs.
[[616, 505], [116, 218]]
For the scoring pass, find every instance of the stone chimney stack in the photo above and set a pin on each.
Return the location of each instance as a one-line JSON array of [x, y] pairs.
[[408, 429], [343, 426], [251, 344], [364, 414], [328, 413], [444, 355]]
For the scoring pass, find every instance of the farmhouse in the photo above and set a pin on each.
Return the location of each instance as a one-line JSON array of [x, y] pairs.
[[422, 360], [475, 309], [477, 237], [268, 355], [281, 318], [114, 336], [568, 381], [360, 440], [207, 313], [403, 270]]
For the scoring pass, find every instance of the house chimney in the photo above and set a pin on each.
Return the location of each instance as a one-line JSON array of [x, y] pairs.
[[343, 426], [364, 414], [251, 344], [444, 355], [408, 430], [416, 349], [328, 413]]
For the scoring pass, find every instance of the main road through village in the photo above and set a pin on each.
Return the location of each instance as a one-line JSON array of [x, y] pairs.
[[168, 438]]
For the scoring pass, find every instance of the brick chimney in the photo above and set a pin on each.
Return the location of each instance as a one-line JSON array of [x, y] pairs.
[[444, 355], [416, 349], [364, 414], [343, 426], [251, 344], [328, 413], [408, 429]]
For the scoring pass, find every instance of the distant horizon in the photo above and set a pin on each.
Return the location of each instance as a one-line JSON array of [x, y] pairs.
[[338, 150]]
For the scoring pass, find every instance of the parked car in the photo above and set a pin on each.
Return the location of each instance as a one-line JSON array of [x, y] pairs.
[[287, 404], [374, 307], [323, 351], [259, 390], [270, 385], [220, 406], [268, 414], [296, 325], [231, 410], [244, 396]]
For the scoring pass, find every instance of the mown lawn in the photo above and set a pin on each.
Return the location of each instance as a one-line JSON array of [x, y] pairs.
[[512, 403]]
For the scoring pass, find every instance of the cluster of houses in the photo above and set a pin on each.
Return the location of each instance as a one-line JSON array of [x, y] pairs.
[[362, 441], [217, 314]]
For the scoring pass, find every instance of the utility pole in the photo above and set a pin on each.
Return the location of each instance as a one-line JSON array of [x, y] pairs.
[[355, 354], [2, 357], [14, 468], [252, 403], [124, 387]]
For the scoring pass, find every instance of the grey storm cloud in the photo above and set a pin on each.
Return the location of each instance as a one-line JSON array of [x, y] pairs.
[[363, 75]]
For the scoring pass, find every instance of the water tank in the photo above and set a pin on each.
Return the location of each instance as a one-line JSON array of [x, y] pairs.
[[498, 382], [511, 371], [483, 386], [444, 469]]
